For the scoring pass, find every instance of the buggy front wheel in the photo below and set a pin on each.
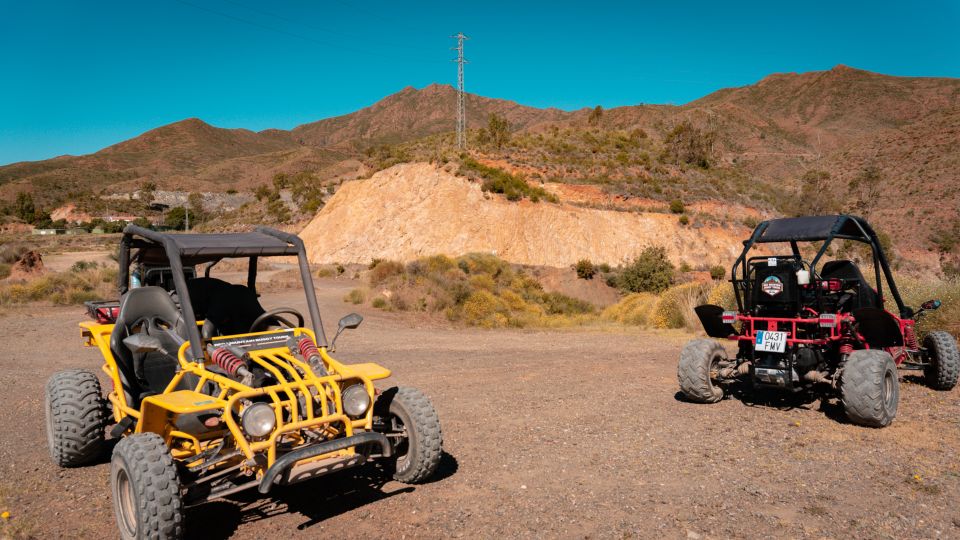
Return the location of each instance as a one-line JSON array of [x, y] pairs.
[[146, 489], [944, 360], [408, 419]]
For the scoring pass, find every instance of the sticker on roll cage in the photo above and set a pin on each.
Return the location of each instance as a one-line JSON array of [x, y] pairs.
[[772, 286], [267, 341]]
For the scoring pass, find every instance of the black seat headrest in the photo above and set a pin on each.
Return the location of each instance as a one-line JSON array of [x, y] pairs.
[[151, 305]]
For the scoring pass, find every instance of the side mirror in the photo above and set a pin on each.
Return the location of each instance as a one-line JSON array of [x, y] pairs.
[[142, 343], [930, 305], [351, 321]]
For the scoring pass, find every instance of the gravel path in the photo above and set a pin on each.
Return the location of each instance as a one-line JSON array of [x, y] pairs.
[[573, 433]]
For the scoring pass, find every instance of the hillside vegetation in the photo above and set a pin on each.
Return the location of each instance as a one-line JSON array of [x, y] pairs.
[[837, 140]]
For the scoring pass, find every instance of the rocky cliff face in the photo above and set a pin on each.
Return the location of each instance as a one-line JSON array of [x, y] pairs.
[[412, 210]]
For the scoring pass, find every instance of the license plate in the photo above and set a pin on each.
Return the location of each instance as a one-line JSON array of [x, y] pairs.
[[771, 341]]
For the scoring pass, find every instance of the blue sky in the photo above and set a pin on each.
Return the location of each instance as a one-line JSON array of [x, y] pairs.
[[79, 76]]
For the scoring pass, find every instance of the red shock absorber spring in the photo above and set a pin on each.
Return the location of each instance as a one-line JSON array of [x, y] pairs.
[[308, 350], [910, 337], [846, 348], [227, 361]]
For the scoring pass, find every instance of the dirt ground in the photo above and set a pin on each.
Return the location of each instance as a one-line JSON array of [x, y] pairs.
[[572, 434]]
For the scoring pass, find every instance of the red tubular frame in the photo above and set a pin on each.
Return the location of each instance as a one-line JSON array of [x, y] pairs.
[[773, 324]]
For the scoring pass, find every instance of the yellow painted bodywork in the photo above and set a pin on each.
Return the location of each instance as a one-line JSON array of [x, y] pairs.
[[293, 400]]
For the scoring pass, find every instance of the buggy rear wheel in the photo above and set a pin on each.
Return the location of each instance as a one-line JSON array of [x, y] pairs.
[[869, 387], [696, 372], [76, 418], [944, 366], [146, 489], [406, 416]]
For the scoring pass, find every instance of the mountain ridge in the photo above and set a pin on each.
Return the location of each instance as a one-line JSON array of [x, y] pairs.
[[761, 139]]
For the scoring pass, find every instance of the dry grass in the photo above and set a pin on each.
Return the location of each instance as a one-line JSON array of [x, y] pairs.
[[475, 289], [915, 292], [671, 309], [84, 282]]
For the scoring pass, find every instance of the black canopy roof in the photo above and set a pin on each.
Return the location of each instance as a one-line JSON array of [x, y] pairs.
[[190, 249], [811, 228], [198, 248]]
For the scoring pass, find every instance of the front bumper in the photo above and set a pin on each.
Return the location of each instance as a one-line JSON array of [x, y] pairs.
[[287, 469]]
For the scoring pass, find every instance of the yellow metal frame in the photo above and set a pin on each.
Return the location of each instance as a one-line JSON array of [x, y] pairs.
[[158, 413]]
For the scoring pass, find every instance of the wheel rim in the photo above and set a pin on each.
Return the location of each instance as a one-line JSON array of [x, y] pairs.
[[713, 374], [888, 383], [715, 370], [401, 448], [126, 507]]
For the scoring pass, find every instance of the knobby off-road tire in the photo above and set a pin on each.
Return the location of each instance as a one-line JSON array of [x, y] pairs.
[[869, 388], [944, 366], [146, 489], [76, 418], [698, 358], [416, 457]]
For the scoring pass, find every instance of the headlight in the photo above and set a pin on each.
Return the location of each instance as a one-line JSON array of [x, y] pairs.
[[258, 420], [356, 400]]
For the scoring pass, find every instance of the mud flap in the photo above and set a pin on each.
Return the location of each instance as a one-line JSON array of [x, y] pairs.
[[711, 317], [879, 328]]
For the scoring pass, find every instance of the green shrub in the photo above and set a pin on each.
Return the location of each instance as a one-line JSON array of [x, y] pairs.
[[560, 304], [379, 302], [4, 270], [585, 269], [676, 206], [718, 272], [649, 272], [687, 144], [80, 266], [684, 220], [499, 181], [604, 267]]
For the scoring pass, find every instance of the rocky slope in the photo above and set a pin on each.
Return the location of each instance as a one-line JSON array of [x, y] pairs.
[[412, 210]]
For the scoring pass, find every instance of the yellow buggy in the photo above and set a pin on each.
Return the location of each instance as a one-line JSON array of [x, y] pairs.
[[212, 394]]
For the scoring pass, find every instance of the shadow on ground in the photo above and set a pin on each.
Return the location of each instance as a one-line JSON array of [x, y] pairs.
[[779, 400], [316, 500]]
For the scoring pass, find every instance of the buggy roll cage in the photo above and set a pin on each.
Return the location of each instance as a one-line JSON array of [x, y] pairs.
[[813, 229], [200, 248]]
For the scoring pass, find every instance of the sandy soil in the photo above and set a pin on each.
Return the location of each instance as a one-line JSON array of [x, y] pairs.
[[61, 262], [572, 434]]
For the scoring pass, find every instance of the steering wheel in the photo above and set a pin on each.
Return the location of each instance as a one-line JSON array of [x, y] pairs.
[[272, 316]]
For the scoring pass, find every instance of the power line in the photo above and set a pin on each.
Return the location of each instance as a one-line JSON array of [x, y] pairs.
[[461, 102]]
